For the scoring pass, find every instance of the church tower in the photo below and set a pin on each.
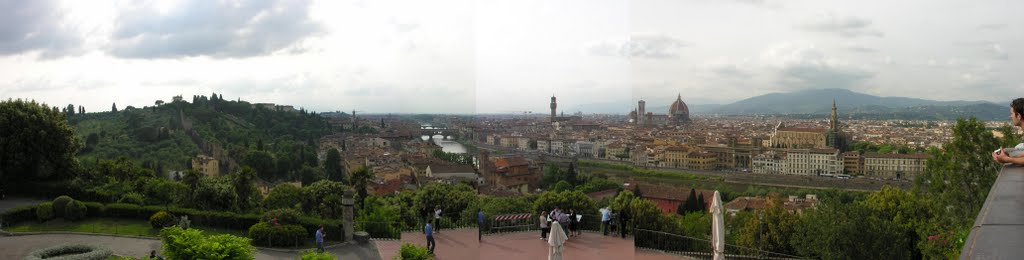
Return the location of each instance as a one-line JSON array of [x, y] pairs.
[[553, 106], [834, 123]]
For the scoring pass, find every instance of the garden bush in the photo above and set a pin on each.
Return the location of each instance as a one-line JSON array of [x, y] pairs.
[[266, 234], [192, 244], [313, 255], [18, 214], [75, 210], [60, 203], [71, 252], [44, 211], [132, 198], [413, 252], [161, 219], [283, 216]]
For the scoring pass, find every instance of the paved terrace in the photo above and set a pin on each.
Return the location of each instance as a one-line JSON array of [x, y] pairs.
[[463, 244], [998, 232]]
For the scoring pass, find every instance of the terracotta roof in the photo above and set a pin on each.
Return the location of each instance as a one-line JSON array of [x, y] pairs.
[[511, 161], [603, 194], [744, 203], [455, 168]]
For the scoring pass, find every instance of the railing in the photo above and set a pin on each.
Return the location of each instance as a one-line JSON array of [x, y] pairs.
[[996, 233], [381, 230], [697, 247]]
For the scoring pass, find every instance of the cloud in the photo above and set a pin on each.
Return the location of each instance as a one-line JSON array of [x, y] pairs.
[[995, 51], [845, 26], [36, 26], [807, 67], [992, 26], [219, 29], [854, 47], [641, 45], [729, 70]]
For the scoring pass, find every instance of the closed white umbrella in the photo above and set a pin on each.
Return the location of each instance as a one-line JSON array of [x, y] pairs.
[[718, 228], [556, 240]]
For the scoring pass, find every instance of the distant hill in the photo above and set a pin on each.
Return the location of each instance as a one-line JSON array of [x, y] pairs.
[[859, 105]]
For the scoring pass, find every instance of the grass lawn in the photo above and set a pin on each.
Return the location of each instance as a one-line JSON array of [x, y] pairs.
[[108, 226]]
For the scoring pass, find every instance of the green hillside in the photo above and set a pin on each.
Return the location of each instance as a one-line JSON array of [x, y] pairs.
[[166, 137]]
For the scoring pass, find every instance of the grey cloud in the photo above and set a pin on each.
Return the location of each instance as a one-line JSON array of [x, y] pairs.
[[846, 26], [650, 46], [729, 70], [809, 68], [35, 26], [859, 48], [212, 28], [996, 51], [992, 26]]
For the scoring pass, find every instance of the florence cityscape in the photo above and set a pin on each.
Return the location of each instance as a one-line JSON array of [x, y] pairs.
[[609, 129]]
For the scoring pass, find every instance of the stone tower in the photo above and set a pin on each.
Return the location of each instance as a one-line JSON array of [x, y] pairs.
[[641, 112], [554, 105]]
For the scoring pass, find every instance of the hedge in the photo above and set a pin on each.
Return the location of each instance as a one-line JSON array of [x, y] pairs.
[[44, 211], [71, 252], [60, 203], [217, 219], [19, 214], [266, 234], [75, 210]]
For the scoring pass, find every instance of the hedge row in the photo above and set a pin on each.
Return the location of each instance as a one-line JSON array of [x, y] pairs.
[[217, 219], [265, 234]]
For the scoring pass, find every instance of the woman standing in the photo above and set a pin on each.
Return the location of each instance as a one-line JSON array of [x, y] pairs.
[[544, 228]]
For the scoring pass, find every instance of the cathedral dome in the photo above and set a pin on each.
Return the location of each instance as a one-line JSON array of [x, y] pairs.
[[679, 109]]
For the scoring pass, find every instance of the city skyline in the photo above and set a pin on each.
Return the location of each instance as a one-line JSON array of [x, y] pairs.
[[501, 56]]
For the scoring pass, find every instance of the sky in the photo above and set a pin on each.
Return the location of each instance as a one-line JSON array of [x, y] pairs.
[[503, 56]]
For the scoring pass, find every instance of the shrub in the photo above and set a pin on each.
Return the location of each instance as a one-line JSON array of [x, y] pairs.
[[95, 209], [283, 196], [132, 198], [161, 219], [44, 211], [413, 252], [19, 214], [60, 203], [283, 216], [313, 255], [266, 234], [75, 210], [192, 244], [82, 252]]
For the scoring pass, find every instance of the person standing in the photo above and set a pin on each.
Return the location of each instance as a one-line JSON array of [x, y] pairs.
[[545, 222], [320, 239], [431, 244], [573, 223], [563, 220], [623, 221], [605, 217], [437, 219], [479, 225]]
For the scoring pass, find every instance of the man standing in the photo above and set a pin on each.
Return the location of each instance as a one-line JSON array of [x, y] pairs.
[[605, 217], [429, 231], [479, 225], [320, 239], [1013, 155], [437, 219]]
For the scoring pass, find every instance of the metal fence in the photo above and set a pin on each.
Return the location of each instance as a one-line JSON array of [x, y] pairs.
[[381, 230], [697, 247]]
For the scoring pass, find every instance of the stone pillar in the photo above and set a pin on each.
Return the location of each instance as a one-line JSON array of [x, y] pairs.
[[347, 215]]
